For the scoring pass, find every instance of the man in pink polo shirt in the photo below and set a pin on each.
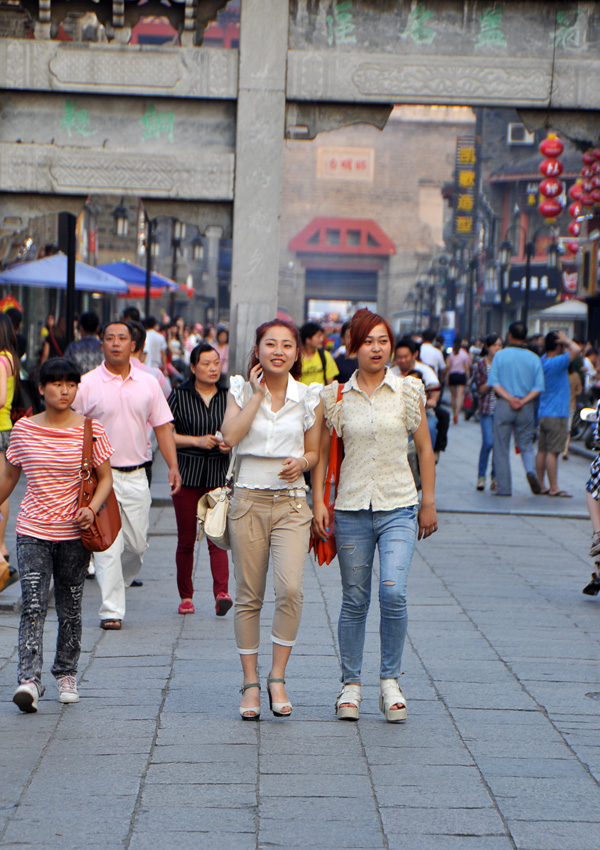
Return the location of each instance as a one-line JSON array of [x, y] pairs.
[[126, 401]]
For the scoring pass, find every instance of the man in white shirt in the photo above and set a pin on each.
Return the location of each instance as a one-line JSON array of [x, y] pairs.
[[155, 347], [432, 356], [406, 362]]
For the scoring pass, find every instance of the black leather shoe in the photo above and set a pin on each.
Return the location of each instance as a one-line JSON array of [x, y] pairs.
[[136, 583]]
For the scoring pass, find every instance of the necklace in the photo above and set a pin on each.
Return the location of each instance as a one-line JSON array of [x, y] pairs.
[[206, 397]]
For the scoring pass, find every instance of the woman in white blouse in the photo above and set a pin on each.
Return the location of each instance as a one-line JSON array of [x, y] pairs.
[[276, 423], [376, 506]]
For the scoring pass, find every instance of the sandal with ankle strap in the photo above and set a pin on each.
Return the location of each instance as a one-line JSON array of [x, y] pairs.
[[254, 708], [352, 695], [277, 707], [389, 695]]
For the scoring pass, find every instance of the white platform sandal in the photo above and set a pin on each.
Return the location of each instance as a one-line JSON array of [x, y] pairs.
[[352, 695], [389, 695], [253, 708], [278, 707]]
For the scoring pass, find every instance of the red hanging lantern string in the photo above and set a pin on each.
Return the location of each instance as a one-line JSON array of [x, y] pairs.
[[551, 188]]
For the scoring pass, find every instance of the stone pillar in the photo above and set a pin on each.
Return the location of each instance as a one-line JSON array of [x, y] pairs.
[[258, 171]]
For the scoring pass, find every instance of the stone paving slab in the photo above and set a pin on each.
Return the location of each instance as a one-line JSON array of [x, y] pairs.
[[501, 748]]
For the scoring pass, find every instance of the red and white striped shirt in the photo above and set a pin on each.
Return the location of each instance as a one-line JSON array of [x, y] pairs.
[[51, 460]]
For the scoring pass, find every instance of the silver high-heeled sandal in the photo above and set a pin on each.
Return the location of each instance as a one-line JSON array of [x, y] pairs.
[[389, 695], [254, 708], [352, 695]]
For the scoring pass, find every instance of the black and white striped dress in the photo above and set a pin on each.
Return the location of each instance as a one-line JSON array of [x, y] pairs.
[[191, 417], [593, 484]]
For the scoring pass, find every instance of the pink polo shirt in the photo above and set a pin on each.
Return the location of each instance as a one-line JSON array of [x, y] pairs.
[[126, 408]]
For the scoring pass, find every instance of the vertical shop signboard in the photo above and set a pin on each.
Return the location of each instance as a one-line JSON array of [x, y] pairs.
[[465, 198]]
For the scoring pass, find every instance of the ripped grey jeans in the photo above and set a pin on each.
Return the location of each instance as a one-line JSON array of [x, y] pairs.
[[357, 533], [40, 560]]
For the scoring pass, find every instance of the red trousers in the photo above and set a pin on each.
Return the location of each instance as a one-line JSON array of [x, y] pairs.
[[185, 503]]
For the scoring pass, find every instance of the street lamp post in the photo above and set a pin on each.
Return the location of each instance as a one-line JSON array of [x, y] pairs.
[[474, 263], [420, 286], [178, 235], [149, 240], [504, 254], [505, 251]]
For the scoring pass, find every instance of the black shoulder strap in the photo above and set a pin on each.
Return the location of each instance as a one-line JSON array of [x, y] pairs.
[[323, 364]]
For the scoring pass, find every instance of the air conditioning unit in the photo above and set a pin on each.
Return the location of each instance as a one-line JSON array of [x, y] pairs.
[[518, 135]]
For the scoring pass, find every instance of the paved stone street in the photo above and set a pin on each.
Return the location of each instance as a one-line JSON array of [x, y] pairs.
[[502, 676]]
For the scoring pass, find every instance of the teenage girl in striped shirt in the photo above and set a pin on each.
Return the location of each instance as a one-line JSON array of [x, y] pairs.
[[48, 448]]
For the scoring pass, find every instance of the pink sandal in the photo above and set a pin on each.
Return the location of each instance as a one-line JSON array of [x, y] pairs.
[[186, 607]]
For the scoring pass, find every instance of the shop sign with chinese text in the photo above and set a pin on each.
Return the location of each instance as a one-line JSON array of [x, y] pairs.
[[463, 224]]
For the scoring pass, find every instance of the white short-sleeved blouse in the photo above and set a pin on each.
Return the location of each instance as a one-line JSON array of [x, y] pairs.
[[375, 471], [272, 437]]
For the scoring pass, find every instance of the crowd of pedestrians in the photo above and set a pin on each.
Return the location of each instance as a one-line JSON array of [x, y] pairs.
[[147, 387]]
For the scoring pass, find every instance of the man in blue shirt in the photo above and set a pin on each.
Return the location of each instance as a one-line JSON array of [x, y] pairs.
[[554, 408], [517, 379]]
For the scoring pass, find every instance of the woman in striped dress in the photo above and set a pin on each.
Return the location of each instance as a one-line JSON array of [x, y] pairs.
[[198, 407]]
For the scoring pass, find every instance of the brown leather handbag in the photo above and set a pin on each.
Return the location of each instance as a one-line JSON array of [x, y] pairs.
[[103, 532]]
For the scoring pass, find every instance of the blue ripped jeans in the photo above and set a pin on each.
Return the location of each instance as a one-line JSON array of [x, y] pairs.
[[357, 533]]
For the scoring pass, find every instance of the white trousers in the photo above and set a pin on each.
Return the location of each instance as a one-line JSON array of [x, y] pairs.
[[118, 566]]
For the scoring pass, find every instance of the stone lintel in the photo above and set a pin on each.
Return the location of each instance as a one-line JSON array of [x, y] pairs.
[[195, 72], [48, 168], [453, 80], [18, 209]]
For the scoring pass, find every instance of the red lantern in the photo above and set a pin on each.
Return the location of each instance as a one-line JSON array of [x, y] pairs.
[[550, 208], [551, 187], [595, 193], [574, 228], [575, 209], [596, 181], [587, 186], [551, 167], [587, 200], [552, 146], [596, 153], [573, 247], [588, 157], [586, 172], [576, 191]]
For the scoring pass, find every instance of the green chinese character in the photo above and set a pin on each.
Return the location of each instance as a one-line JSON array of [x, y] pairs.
[[567, 32], [416, 28], [491, 34], [75, 120], [340, 27], [156, 124]]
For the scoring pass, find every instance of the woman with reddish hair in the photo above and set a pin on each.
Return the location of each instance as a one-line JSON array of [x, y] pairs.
[[276, 422], [376, 505]]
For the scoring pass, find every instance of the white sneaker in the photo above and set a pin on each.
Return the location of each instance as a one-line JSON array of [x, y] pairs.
[[26, 696], [481, 482], [67, 689]]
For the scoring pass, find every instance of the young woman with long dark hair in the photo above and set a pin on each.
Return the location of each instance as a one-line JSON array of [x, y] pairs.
[[275, 421]]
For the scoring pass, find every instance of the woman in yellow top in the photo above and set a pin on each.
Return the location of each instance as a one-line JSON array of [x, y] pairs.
[[8, 376]]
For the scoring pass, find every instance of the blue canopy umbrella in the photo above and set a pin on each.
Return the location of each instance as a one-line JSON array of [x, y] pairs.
[[136, 275], [51, 272]]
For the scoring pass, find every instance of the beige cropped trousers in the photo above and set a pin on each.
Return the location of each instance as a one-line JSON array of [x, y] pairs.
[[263, 522]]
